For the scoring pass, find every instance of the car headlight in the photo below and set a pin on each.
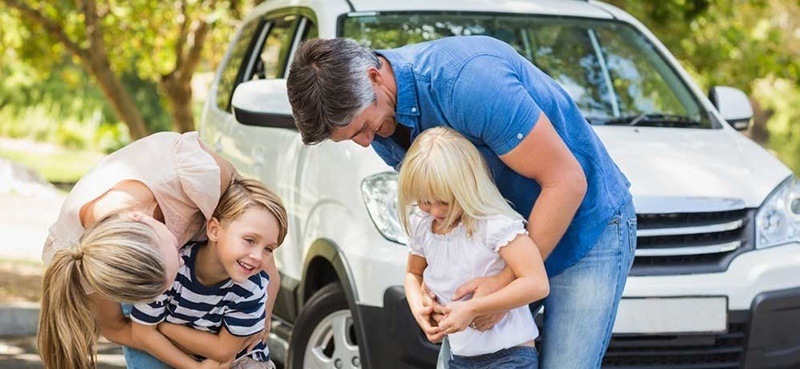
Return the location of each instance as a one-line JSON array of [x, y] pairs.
[[380, 196], [778, 219]]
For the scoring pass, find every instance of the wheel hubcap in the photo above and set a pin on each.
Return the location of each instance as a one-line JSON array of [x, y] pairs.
[[332, 344]]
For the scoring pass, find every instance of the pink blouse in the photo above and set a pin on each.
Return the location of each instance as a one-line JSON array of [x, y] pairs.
[[184, 178]]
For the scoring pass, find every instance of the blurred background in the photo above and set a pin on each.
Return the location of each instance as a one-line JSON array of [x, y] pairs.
[[79, 79]]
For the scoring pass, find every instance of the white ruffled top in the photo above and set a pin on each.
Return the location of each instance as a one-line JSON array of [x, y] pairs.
[[455, 258], [184, 178]]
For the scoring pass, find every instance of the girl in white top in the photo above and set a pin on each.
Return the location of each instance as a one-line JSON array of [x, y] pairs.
[[117, 238], [461, 228]]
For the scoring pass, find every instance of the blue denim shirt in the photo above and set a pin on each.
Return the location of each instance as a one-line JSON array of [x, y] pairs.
[[483, 89]]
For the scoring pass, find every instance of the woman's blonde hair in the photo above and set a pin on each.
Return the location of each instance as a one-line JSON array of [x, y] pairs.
[[245, 193], [114, 258], [442, 165]]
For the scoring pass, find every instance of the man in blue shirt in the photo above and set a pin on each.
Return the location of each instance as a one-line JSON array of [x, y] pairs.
[[544, 157]]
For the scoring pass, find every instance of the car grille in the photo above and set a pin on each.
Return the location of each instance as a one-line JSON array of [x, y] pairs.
[[687, 243], [696, 351]]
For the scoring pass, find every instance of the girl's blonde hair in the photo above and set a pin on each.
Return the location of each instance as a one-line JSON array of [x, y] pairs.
[[442, 165], [243, 194], [115, 258]]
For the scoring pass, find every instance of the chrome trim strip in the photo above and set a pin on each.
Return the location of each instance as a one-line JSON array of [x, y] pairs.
[[690, 230], [694, 250]]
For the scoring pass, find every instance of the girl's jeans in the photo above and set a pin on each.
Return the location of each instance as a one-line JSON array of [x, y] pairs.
[[135, 359], [580, 310], [518, 357]]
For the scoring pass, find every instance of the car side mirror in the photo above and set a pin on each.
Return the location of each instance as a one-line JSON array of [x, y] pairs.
[[733, 105], [262, 103]]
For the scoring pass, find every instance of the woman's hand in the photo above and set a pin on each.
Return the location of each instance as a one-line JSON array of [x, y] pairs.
[[459, 315], [483, 286], [262, 336], [211, 364]]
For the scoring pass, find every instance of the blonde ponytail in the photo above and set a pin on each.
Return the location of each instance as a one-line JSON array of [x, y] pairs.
[[115, 259]]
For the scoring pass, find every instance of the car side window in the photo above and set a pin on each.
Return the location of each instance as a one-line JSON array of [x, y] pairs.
[[271, 60], [231, 72]]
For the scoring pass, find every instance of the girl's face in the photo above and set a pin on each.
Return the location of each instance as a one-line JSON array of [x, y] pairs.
[[439, 210], [243, 243], [166, 245]]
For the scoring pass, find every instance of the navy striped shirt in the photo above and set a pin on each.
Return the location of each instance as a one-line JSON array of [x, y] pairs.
[[240, 307]]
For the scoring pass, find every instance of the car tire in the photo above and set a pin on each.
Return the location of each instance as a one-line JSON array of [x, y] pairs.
[[324, 334]]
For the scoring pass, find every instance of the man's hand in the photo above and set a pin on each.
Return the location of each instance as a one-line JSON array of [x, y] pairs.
[[458, 317], [482, 286]]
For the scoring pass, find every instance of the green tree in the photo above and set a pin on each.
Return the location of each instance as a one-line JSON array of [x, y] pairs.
[[156, 41]]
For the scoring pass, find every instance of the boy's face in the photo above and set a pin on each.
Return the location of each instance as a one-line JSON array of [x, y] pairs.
[[243, 243]]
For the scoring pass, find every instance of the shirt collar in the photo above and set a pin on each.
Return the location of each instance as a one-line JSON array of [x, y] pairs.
[[404, 80]]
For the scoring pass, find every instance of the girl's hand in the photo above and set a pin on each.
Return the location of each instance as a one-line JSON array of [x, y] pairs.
[[422, 314], [479, 287], [458, 317], [429, 299]]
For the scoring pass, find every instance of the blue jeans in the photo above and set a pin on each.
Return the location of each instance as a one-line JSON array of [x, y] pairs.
[[518, 357], [580, 311], [135, 359]]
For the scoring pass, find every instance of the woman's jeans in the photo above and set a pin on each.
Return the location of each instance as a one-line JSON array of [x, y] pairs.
[[518, 357], [135, 359], [582, 306]]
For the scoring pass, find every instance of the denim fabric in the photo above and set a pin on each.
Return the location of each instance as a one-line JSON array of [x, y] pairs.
[[135, 359], [518, 357], [484, 89], [580, 311]]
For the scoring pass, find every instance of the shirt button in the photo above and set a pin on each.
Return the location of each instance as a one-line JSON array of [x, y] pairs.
[[413, 110], [519, 136]]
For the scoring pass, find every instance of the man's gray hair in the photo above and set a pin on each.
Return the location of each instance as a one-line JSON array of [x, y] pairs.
[[328, 85]]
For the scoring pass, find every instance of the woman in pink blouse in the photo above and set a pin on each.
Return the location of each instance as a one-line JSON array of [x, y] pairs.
[[117, 237]]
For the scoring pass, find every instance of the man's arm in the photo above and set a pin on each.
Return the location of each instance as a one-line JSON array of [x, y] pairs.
[[560, 176]]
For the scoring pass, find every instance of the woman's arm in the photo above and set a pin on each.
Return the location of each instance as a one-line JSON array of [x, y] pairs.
[[413, 287], [113, 324], [152, 341], [268, 265], [221, 347], [530, 285]]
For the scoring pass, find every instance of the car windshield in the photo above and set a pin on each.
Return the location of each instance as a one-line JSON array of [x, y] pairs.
[[614, 74]]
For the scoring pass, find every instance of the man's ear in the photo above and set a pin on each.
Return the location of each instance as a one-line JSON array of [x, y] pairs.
[[375, 76], [212, 229]]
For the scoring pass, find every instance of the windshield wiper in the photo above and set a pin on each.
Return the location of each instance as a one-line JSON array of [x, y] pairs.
[[651, 119]]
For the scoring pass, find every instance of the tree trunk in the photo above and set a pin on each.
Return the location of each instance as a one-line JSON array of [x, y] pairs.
[[758, 131], [121, 101], [179, 99]]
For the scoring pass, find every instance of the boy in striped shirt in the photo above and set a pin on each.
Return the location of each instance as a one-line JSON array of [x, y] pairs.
[[218, 298]]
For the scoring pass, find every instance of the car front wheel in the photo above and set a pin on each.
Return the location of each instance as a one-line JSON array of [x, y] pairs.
[[324, 336]]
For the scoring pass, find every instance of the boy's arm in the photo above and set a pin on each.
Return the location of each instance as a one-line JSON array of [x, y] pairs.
[[525, 260], [413, 287], [220, 347], [152, 341]]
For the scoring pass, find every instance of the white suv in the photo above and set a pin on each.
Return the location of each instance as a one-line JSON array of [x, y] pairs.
[[716, 279]]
